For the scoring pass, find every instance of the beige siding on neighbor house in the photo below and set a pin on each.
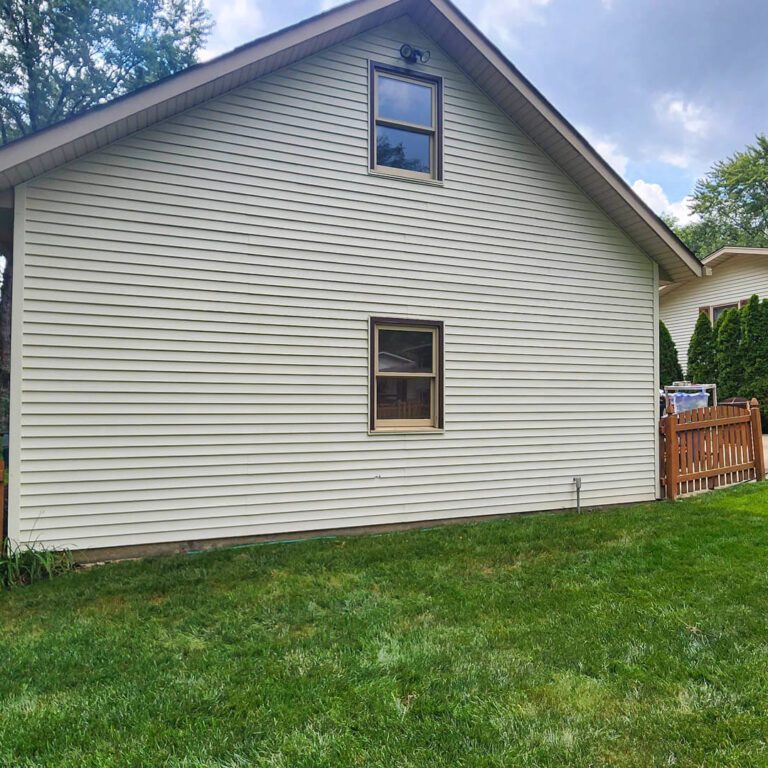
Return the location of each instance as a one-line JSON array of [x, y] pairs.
[[194, 353], [736, 279]]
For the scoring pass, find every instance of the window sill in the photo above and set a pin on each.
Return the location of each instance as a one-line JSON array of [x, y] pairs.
[[406, 431], [410, 179]]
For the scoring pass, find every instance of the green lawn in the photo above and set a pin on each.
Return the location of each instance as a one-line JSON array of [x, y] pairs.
[[632, 637]]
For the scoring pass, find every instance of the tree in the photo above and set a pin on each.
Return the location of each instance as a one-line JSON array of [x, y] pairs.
[[760, 369], [61, 57], [669, 365], [702, 368], [754, 355], [751, 331], [728, 353], [732, 202]]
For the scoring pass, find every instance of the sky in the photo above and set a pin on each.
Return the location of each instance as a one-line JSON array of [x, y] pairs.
[[661, 88]]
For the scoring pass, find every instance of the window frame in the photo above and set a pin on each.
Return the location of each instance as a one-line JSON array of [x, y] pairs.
[[710, 308], [435, 132], [436, 420]]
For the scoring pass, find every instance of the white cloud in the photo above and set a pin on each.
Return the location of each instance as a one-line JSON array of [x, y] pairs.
[[326, 5], [611, 153], [237, 22], [677, 159], [656, 199], [693, 118], [682, 210], [503, 19], [607, 149], [652, 194]]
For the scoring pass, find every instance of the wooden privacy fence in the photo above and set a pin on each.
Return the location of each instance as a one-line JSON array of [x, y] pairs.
[[710, 447]]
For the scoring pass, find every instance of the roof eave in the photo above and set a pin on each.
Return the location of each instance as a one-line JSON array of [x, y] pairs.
[[729, 251], [37, 153]]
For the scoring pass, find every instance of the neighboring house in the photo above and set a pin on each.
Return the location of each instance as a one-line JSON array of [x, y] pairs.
[[208, 271], [734, 273]]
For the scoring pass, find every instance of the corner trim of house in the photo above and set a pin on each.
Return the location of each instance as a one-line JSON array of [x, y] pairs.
[[17, 321], [656, 380]]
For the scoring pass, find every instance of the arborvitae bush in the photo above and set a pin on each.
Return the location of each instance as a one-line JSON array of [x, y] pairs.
[[730, 378], [757, 371], [702, 367], [750, 335], [669, 365]]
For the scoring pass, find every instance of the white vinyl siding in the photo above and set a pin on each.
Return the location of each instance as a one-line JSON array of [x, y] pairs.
[[734, 280], [193, 360]]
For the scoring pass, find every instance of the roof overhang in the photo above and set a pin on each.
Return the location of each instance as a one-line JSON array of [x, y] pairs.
[[38, 153], [718, 258], [727, 252]]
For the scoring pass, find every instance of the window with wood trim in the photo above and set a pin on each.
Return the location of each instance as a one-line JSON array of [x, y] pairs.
[[406, 374], [714, 311], [406, 122]]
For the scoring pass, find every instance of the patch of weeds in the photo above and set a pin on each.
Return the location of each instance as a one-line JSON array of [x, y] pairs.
[[26, 564]]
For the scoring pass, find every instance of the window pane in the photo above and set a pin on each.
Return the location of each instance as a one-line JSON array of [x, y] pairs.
[[405, 351], [717, 311], [403, 398], [398, 148], [409, 102]]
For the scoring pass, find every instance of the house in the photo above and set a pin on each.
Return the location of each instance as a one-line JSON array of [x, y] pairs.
[[732, 275], [354, 274]]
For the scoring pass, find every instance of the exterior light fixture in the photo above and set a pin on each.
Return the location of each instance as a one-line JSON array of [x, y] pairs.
[[413, 55]]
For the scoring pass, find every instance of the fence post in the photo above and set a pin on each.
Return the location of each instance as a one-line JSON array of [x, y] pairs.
[[673, 452], [757, 437]]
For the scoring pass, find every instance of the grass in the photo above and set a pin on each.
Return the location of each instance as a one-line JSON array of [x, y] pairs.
[[632, 637]]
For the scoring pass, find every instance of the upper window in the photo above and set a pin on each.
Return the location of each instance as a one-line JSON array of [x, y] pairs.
[[405, 123], [406, 374]]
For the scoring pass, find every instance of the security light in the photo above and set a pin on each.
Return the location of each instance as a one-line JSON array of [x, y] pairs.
[[413, 55]]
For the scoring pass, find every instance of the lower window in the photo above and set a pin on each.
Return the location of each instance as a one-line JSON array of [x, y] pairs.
[[406, 374]]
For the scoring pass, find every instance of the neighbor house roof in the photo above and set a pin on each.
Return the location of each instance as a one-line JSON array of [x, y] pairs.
[[719, 257], [446, 25]]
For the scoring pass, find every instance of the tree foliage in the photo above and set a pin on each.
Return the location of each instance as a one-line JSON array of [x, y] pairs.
[[702, 367], [730, 378], [751, 331], [732, 203], [669, 365], [740, 341], [754, 358], [60, 57]]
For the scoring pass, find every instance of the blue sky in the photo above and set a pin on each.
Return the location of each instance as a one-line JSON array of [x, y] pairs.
[[662, 88]]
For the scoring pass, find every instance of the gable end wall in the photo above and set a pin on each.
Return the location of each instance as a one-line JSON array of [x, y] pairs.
[[192, 358]]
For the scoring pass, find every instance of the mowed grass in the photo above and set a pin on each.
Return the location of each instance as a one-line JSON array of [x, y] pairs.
[[630, 637]]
